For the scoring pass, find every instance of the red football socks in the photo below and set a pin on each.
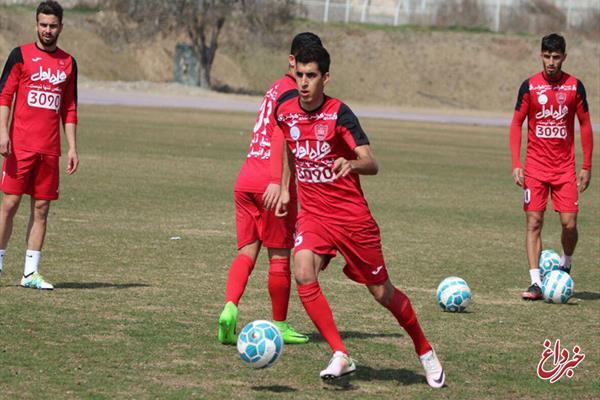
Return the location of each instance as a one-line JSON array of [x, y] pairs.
[[318, 310], [240, 270], [280, 283], [402, 309]]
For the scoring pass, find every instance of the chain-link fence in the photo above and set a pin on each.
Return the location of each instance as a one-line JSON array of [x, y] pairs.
[[496, 15]]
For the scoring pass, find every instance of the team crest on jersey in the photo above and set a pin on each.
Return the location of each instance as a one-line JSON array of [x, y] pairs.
[[321, 132], [561, 97], [295, 133], [542, 99]]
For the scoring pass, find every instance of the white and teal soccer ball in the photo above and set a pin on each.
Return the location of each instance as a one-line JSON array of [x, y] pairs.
[[260, 344], [549, 261], [453, 294], [558, 287]]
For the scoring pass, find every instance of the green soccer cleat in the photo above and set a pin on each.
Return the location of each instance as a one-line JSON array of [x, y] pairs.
[[289, 334], [36, 281], [228, 323]]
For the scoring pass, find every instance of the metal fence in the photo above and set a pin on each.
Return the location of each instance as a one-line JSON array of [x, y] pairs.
[[497, 15]]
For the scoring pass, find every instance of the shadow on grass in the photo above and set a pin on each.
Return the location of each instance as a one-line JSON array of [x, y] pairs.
[[402, 376], [97, 285], [315, 337], [587, 295], [274, 389]]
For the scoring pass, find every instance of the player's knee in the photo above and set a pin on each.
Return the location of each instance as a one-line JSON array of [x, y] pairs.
[[534, 224], [382, 294], [304, 275], [10, 204], [40, 211], [570, 225]]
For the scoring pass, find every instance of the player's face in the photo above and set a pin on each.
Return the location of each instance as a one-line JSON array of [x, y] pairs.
[[553, 62], [311, 83], [48, 29]]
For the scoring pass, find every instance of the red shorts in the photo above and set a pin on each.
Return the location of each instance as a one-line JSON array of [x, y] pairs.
[[253, 222], [359, 244], [35, 174], [562, 188]]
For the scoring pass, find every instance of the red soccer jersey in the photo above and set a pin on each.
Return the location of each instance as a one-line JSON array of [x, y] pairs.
[[264, 159], [550, 108], [317, 139], [45, 84]]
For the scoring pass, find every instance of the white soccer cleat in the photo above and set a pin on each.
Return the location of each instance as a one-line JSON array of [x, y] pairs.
[[434, 372], [36, 281], [339, 365]]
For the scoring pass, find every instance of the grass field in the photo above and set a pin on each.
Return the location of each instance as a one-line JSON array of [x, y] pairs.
[[134, 313]]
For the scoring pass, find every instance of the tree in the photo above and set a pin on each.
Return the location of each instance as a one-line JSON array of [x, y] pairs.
[[201, 20]]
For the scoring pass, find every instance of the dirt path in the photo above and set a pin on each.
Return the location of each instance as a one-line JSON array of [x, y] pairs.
[[154, 96]]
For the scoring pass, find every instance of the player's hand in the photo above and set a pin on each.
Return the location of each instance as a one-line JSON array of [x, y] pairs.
[[518, 176], [271, 196], [583, 180], [4, 144], [341, 167], [281, 209], [73, 162]]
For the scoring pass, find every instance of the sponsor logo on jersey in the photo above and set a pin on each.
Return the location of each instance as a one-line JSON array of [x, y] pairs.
[[321, 131], [561, 97], [36, 59], [48, 75], [295, 132], [550, 112], [542, 99], [314, 153]]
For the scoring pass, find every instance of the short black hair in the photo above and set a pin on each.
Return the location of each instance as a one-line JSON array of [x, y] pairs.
[[50, 7], [316, 54], [304, 39], [554, 43]]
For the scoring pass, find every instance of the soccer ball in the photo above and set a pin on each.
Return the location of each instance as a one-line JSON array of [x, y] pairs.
[[558, 287], [260, 344], [453, 294], [549, 261]]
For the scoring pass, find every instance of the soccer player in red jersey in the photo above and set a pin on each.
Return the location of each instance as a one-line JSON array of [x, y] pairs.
[[330, 151], [550, 100], [257, 191], [42, 81]]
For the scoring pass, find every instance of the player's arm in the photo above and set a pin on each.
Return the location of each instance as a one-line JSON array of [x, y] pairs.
[[281, 209], [521, 111], [72, 156], [365, 163], [587, 138], [273, 190], [69, 118], [9, 82], [4, 135], [352, 133]]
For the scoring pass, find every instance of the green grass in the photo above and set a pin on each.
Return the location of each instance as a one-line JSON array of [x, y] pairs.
[[135, 313]]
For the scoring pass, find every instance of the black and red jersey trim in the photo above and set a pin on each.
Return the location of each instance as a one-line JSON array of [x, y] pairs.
[[15, 57], [523, 90], [348, 120]]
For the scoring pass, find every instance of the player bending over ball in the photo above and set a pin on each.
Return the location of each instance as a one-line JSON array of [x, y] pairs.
[[330, 151]]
